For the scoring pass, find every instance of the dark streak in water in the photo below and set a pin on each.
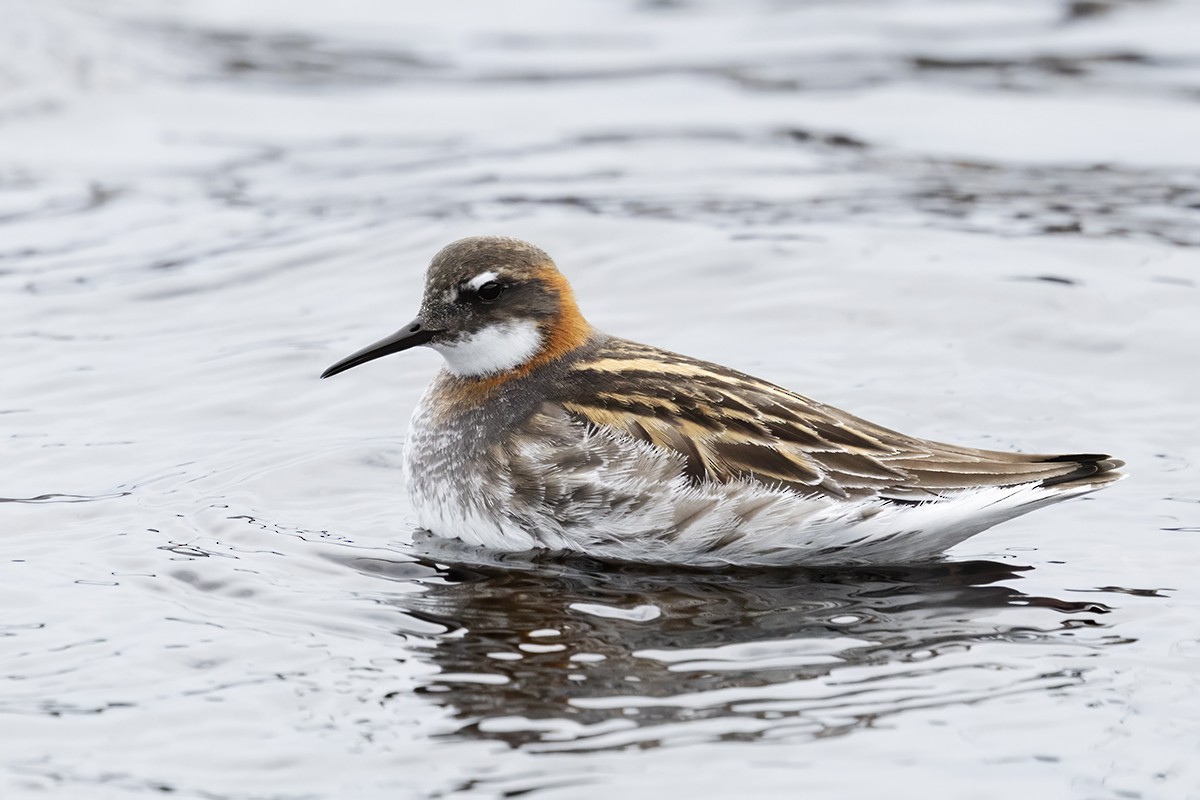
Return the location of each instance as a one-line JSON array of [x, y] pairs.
[[64, 498], [1057, 279]]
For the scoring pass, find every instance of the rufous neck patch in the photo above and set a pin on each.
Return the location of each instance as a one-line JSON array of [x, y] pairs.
[[563, 333]]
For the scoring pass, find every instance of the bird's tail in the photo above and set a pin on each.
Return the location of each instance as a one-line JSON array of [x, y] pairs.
[[1083, 471]]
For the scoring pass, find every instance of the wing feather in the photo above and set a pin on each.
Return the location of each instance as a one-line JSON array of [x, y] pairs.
[[729, 426]]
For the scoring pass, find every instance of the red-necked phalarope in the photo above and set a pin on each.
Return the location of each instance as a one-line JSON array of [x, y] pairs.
[[542, 432]]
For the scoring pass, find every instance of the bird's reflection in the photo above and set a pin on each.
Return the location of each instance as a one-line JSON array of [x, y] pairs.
[[539, 653]]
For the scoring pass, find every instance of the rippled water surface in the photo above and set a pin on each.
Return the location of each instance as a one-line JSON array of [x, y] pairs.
[[975, 221]]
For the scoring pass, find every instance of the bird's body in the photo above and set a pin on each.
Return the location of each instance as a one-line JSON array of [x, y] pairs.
[[545, 433]]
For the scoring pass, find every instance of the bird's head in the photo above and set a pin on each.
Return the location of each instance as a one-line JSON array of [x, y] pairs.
[[492, 306]]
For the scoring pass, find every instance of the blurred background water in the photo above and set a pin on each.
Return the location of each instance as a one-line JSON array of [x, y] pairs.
[[975, 221]]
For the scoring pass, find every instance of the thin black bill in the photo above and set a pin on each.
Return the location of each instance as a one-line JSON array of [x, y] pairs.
[[411, 335]]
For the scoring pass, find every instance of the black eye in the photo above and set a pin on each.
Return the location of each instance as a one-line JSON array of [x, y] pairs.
[[490, 292]]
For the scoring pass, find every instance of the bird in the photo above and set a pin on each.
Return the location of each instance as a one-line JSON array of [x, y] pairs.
[[542, 433]]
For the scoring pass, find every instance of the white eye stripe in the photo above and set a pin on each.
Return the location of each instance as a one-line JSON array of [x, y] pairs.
[[481, 279]]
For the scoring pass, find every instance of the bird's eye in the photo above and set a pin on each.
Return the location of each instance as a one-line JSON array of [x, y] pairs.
[[490, 292]]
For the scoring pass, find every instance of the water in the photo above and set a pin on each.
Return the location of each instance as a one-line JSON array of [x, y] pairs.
[[974, 221]]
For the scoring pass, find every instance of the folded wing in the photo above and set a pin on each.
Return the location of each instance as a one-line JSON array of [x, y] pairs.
[[729, 426]]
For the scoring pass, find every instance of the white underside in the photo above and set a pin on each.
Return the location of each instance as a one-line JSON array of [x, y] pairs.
[[789, 530], [711, 524], [493, 349]]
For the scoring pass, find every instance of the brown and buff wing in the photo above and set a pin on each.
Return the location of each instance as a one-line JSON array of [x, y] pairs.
[[731, 426]]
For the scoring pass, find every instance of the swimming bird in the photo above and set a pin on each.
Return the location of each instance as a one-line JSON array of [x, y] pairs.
[[542, 432]]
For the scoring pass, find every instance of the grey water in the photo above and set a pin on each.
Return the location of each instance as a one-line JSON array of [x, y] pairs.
[[974, 221]]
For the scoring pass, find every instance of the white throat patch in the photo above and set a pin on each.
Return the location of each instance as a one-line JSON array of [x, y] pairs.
[[493, 349]]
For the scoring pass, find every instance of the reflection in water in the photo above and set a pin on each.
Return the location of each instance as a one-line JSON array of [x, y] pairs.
[[581, 654]]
